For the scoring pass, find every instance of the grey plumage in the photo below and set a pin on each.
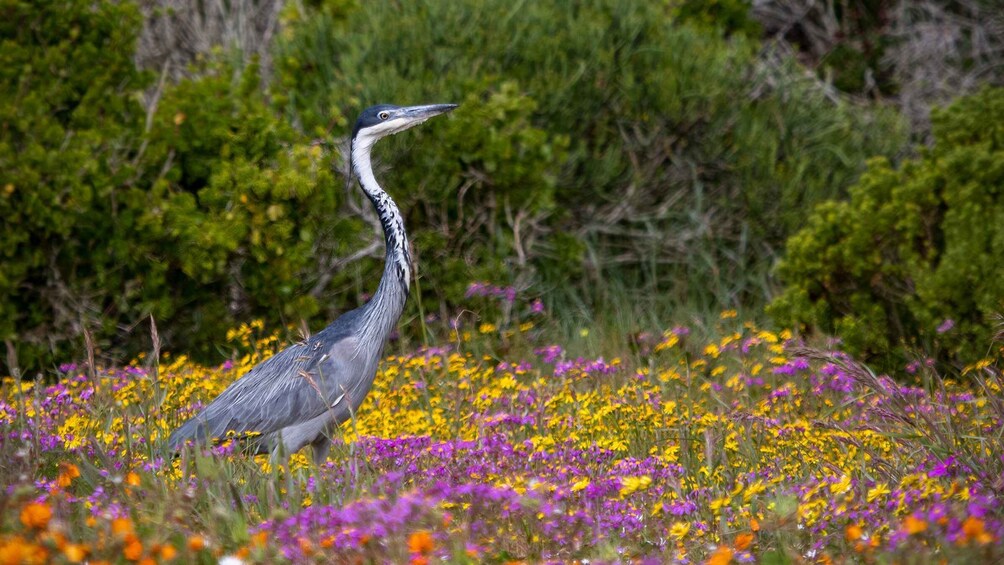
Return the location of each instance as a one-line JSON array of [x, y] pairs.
[[297, 397]]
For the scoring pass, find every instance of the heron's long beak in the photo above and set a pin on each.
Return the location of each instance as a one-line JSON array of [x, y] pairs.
[[411, 116], [424, 112]]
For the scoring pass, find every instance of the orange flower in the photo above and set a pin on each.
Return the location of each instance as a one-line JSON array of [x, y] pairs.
[[913, 525], [36, 515], [754, 525], [420, 542], [259, 538], [167, 552], [67, 472], [743, 541], [20, 551], [305, 546], [721, 556], [53, 539], [196, 543], [853, 532], [75, 553], [132, 479], [122, 527], [133, 549], [972, 529], [418, 560]]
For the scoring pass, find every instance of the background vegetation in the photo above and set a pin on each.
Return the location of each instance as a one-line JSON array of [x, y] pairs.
[[648, 160]]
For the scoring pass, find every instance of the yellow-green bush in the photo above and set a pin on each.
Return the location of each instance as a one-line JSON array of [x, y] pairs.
[[69, 123], [597, 143], [203, 210], [689, 157], [913, 259]]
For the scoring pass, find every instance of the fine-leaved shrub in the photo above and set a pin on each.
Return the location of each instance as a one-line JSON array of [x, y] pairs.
[[666, 150], [913, 259], [70, 122], [599, 145]]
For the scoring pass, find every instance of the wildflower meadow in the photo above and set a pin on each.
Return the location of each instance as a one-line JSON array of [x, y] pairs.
[[720, 443]]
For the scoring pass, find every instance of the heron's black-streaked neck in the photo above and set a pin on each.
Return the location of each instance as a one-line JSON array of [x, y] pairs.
[[387, 304]]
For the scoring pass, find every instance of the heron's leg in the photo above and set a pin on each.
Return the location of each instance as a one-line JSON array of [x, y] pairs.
[[321, 447]]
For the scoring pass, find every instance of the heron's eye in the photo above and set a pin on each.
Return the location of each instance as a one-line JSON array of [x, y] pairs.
[[383, 115]]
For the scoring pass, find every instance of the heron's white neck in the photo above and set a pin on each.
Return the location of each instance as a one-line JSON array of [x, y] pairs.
[[387, 304]]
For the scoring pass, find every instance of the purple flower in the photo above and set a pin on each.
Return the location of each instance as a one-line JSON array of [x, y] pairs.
[[946, 326]]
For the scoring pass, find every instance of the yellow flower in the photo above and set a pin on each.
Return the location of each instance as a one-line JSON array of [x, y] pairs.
[[580, 484], [754, 489], [879, 491], [718, 503], [767, 336], [841, 486], [632, 484], [679, 530]]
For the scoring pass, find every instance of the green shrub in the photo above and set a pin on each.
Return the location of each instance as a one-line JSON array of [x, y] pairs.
[[665, 153], [207, 211], [244, 215], [913, 247], [598, 142], [69, 127]]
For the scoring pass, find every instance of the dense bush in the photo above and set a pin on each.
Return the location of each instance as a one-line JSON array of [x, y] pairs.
[[202, 211], [69, 128], [689, 157], [597, 143], [913, 259]]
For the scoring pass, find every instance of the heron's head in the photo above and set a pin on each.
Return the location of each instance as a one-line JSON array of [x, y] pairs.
[[383, 120]]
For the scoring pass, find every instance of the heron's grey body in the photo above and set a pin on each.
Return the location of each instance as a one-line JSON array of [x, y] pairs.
[[298, 396]]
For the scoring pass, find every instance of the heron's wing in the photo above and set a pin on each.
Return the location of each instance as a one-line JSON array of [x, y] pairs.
[[295, 385]]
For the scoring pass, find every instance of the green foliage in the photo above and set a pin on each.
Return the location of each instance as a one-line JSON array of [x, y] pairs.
[[244, 210], [68, 142], [206, 211], [914, 246], [664, 155], [730, 16], [597, 143]]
